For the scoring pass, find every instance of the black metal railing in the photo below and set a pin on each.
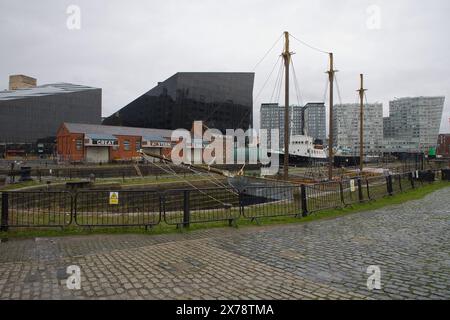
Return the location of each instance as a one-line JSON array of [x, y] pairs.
[[323, 196], [183, 207], [377, 187], [350, 191], [146, 208], [117, 208], [262, 201], [406, 181], [36, 209]]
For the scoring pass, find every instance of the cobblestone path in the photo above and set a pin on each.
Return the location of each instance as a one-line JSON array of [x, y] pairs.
[[324, 259]]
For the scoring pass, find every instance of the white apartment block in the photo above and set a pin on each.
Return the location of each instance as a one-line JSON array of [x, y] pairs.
[[413, 124], [346, 124], [272, 117]]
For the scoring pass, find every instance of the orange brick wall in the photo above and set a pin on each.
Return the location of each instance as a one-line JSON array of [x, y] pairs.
[[66, 145], [119, 153]]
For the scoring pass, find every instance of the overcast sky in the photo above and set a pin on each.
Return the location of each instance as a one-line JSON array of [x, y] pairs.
[[126, 47]]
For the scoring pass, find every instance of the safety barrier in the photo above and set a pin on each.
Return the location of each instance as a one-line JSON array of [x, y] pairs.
[[260, 202], [406, 181], [146, 208], [378, 187], [36, 209], [183, 207], [323, 196], [109, 208]]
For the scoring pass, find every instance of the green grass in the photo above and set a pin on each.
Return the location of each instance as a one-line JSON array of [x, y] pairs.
[[163, 228], [20, 185], [128, 182]]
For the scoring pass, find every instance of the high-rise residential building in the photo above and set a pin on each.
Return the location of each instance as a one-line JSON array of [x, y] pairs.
[[346, 128], [272, 117], [413, 124], [315, 120], [222, 100], [30, 114]]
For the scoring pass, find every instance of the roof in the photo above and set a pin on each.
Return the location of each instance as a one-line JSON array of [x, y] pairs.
[[156, 137], [44, 90], [92, 129], [95, 136]]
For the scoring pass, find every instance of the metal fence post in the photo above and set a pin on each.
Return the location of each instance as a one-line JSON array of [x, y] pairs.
[[186, 210], [241, 204], [360, 193], [411, 176], [341, 192], [304, 202], [4, 218], [389, 185]]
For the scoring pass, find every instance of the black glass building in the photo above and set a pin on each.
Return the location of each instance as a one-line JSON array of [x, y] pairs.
[[221, 100]]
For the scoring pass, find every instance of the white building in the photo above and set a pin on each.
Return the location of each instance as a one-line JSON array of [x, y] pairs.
[[413, 124], [346, 128], [272, 117]]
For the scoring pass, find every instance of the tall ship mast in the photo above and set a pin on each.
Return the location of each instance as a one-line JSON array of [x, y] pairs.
[[300, 148]]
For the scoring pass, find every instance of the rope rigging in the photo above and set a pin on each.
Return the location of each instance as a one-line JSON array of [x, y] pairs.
[[275, 97], [296, 84], [338, 90], [170, 171], [268, 78], [267, 53], [309, 46]]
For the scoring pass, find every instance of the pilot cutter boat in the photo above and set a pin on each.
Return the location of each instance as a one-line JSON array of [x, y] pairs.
[[303, 149]]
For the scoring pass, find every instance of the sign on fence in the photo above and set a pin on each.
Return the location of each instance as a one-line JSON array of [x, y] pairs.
[[113, 198], [352, 185]]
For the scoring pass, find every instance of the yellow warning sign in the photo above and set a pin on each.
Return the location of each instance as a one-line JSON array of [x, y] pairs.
[[113, 198]]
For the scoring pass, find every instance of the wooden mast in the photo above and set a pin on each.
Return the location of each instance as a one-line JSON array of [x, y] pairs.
[[287, 58], [330, 137], [361, 123]]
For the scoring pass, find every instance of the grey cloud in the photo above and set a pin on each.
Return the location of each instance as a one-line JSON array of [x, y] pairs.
[[125, 47]]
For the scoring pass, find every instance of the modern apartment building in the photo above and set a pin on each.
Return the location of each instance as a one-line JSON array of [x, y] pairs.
[[346, 128], [413, 124], [314, 124], [315, 120]]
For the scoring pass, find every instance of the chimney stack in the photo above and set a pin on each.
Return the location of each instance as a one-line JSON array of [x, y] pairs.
[[21, 81]]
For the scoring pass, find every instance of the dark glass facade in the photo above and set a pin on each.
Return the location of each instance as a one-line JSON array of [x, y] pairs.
[[221, 100], [28, 119]]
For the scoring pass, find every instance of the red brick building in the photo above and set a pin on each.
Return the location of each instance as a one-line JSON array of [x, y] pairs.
[[101, 144], [443, 149]]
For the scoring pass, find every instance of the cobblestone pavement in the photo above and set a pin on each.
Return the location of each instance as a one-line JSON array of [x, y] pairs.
[[324, 259]]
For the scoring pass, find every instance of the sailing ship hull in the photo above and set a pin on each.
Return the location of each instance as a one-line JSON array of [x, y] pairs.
[[301, 160]]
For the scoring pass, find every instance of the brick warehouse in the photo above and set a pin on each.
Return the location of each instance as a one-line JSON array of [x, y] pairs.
[[443, 149], [101, 144]]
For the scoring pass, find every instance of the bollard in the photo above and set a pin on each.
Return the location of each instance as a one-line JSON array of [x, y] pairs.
[[186, 210], [304, 202], [5, 212]]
